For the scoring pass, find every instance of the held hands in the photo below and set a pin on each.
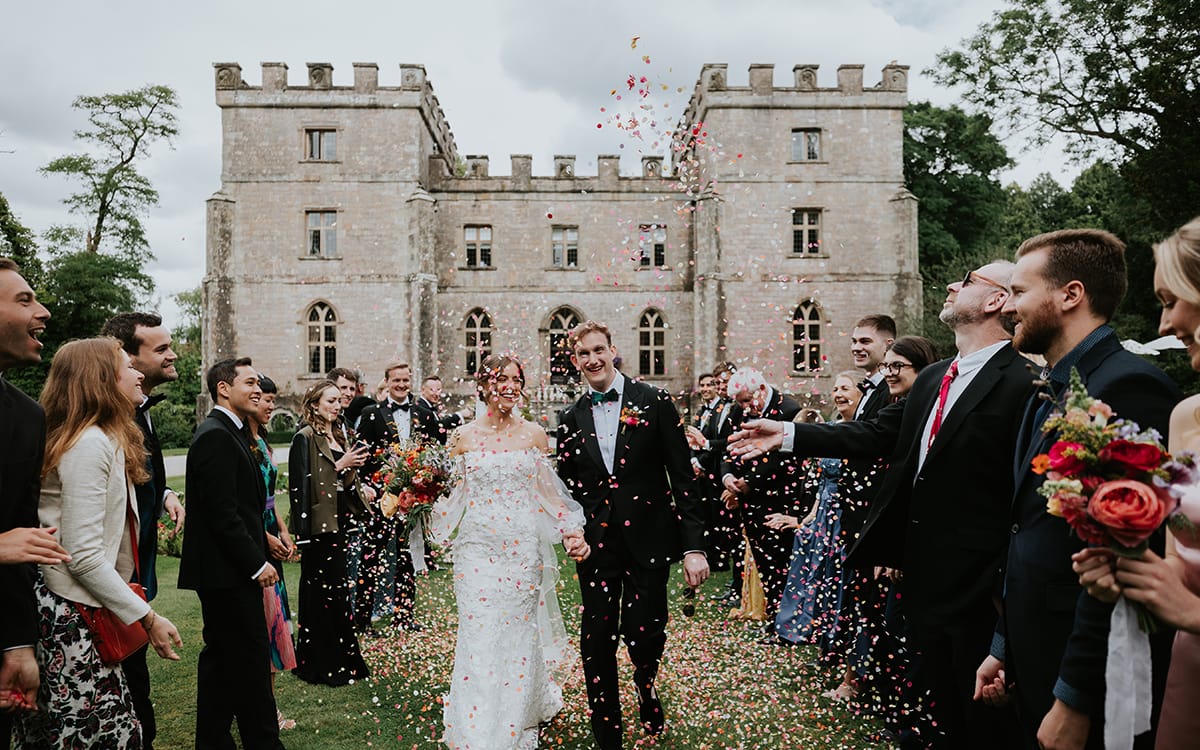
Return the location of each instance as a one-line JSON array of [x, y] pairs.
[[757, 436], [576, 546], [989, 683], [164, 636], [29, 545], [18, 679]]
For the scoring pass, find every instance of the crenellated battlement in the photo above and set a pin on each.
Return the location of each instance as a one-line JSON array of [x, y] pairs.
[[414, 91]]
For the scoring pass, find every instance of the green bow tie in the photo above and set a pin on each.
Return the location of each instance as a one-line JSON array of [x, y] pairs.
[[599, 398]]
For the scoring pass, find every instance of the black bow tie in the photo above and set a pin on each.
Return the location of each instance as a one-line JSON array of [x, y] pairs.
[[402, 407], [599, 398], [151, 401], [866, 385]]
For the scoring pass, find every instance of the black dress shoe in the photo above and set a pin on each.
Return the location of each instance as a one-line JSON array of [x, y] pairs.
[[411, 627], [650, 711]]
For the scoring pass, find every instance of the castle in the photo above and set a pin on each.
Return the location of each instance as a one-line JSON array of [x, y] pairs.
[[348, 231]]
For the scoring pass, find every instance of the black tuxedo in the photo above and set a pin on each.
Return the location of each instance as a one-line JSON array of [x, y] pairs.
[[377, 426], [945, 526], [639, 519], [723, 525], [446, 423], [224, 547], [22, 441], [775, 486], [1055, 633]]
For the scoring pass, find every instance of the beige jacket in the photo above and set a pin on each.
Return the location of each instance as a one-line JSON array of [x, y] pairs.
[[87, 496]]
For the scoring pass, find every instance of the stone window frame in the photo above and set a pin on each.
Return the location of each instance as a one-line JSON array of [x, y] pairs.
[[647, 234], [562, 247], [320, 318], [477, 339], [652, 343], [307, 133], [324, 233], [475, 247], [808, 353], [558, 355], [802, 233], [803, 138]]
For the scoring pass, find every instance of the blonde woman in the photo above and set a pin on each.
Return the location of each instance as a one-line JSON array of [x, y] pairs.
[[94, 454]]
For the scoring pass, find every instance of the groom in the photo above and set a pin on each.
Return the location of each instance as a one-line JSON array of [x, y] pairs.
[[622, 452]]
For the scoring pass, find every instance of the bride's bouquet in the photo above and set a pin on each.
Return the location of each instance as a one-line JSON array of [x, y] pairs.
[[415, 473]]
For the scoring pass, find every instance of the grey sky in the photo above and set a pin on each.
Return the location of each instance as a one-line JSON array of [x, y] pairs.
[[512, 76]]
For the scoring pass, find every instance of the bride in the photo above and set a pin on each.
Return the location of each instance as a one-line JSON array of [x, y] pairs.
[[510, 509]]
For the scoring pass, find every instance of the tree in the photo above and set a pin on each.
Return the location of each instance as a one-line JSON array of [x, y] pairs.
[[17, 243], [1115, 77], [175, 418], [114, 196]]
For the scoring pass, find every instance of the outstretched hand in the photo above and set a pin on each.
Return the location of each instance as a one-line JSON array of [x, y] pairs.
[[757, 436]]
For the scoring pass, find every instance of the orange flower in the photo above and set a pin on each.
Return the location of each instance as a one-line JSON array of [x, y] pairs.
[[1041, 464]]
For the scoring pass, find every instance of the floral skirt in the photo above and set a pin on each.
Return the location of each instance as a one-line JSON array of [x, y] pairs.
[[81, 702]]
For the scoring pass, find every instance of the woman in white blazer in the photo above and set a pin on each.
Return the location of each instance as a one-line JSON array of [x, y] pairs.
[[94, 452]]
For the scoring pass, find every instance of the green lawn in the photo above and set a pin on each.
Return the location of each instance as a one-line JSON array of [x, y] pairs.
[[719, 688]]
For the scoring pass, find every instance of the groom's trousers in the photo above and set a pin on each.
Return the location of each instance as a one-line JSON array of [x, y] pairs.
[[619, 598]]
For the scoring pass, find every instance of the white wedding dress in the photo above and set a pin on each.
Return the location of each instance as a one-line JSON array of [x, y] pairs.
[[510, 509]]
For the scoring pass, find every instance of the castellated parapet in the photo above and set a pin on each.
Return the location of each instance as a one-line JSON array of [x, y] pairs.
[[348, 230]]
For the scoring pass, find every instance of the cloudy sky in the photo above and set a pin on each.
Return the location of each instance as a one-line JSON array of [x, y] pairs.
[[513, 76]]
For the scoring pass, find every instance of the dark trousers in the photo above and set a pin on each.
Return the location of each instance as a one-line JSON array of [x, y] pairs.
[[942, 670], [772, 551], [234, 672], [376, 535], [137, 676], [619, 598]]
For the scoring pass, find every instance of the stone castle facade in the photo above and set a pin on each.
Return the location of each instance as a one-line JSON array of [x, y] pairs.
[[349, 231]]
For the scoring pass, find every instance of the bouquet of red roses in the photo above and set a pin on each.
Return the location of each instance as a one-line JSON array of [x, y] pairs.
[[415, 473], [1112, 482]]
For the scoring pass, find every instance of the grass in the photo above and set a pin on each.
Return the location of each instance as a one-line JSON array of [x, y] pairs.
[[719, 688]]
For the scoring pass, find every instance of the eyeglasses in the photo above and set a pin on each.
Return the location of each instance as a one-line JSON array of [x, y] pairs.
[[973, 276], [895, 368]]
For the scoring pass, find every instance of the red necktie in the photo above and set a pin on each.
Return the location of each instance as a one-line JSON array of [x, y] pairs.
[[943, 392]]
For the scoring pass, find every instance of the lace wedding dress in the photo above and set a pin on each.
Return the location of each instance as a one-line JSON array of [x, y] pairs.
[[510, 509]]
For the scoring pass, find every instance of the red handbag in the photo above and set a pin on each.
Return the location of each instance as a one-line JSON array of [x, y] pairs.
[[114, 640]]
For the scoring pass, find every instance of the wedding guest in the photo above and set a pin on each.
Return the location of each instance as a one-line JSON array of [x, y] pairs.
[[325, 492], [22, 321], [1051, 639], [1168, 586], [808, 612], [763, 487], [431, 399], [279, 545], [148, 344], [94, 454]]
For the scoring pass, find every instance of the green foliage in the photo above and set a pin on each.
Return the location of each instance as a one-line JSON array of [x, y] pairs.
[[113, 196], [17, 243], [175, 418]]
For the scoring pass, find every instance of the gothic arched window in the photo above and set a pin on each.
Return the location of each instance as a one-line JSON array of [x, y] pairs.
[[322, 324], [478, 329], [562, 321], [652, 344], [807, 347]]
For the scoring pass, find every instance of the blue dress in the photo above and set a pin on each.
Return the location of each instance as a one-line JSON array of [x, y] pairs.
[[812, 597]]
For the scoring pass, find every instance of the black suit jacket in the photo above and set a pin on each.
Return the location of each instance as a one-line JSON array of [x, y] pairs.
[[716, 427], [224, 541], [876, 399], [1055, 630], [649, 495], [947, 526], [446, 423], [22, 442], [775, 480]]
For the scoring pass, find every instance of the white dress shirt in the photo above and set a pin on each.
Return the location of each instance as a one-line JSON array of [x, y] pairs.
[[607, 416], [877, 379], [403, 419]]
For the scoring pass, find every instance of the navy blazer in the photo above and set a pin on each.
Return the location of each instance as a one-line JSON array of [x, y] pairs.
[[1056, 635]]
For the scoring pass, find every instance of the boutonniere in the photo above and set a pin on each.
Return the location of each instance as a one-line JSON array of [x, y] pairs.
[[631, 416]]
